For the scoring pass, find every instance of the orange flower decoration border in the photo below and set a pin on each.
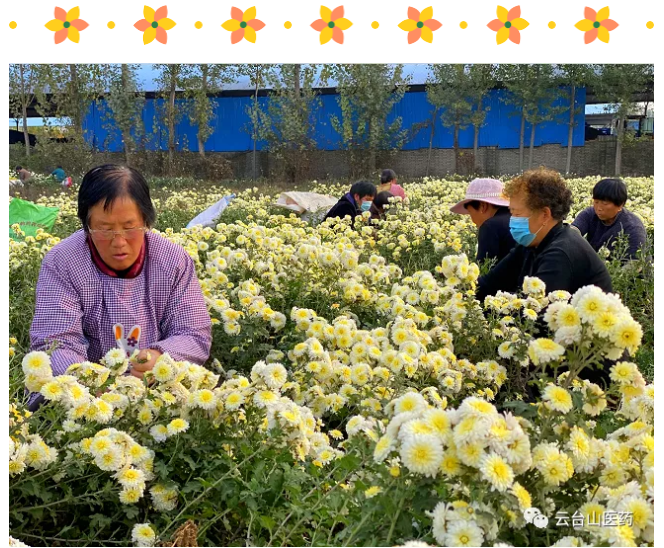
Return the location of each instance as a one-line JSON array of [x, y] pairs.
[[420, 25], [67, 24], [596, 25], [243, 25], [508, 25], [331, 25], [155, 24]]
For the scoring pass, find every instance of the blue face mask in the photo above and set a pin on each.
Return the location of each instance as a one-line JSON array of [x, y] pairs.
[[366, 206], [520, 230]]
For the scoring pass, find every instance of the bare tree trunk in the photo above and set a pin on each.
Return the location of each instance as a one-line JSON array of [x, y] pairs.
[[476, 148], [204, 83], [126, 132], [26, 133], [296, 158], [255, 120], [171, 119], [522, 137], [619, 140], [24, 111], [296, 74], [456, 147], [642, 119], [433, 129], [570, 130], [532, 145], [76, 99]]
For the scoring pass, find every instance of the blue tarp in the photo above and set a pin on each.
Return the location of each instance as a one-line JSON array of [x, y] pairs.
[[231, 125]]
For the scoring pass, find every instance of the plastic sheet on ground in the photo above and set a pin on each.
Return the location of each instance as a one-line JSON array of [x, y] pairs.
[[211, 214], [309, 205]]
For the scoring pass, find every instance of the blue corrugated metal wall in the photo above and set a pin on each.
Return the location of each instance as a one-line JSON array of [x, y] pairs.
[[231, 120]]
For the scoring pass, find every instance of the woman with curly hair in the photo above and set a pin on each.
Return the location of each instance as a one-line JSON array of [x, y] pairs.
[[546, 247]]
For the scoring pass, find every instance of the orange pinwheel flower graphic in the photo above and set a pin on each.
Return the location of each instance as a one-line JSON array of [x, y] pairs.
[[67, 24], [155, 24], [596, 25], [331, 25], [420, 25], [243, 25], [508, 25]]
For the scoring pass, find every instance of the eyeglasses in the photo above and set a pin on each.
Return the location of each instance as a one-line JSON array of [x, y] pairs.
[[127, 234]]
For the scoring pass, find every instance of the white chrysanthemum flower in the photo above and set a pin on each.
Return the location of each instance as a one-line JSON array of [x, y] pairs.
[[422, 454], [410, 402], [541, 351], [204, 398], [159, 432], [176, 426], [533, 286], [36, 363], [557, 398], [112, 459], [143, 535], [463, 533], [497, 472], [130, 477]]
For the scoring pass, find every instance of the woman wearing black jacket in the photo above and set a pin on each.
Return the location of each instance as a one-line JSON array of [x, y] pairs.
[[546, 248]]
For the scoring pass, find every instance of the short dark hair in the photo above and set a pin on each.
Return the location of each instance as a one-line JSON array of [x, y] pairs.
[[109, 182], [382, 199], [18, 168], [611, 190], [387, 176], [475, 204], [363, 188], [543, 188]]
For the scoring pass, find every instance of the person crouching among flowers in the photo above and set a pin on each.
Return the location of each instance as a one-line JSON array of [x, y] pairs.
[[116, 271]]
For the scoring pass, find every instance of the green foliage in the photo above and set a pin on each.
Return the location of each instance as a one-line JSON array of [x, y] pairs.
[[367, 95]]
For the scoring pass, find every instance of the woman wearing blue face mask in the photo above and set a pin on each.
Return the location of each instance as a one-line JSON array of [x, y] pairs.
[[355, 202], [546, 248]]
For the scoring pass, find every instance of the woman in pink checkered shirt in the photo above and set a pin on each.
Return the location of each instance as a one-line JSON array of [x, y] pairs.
[[115, 271]]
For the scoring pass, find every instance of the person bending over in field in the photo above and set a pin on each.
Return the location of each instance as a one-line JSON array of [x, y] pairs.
[[488, 209], [23, 174], [388, 183], [546, 248], [380, 205], [355, 202], [115, 276], [602, 222]]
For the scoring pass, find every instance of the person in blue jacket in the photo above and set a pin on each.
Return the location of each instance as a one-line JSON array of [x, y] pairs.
[[59, 174]]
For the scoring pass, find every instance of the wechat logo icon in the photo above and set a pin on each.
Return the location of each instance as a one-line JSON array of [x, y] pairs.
[[534, 516]]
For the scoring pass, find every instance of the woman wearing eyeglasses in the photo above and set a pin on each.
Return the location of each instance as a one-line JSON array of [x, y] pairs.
[[115, 272]]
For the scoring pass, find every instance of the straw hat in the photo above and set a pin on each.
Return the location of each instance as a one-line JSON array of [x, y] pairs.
[[483, 190]]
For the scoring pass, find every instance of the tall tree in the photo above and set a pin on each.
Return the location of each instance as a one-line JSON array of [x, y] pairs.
[[618, 85], [531, 91], [540, 107], [126, 105], [367, 95], [258, 74], [482, 81], [574, 77], [69, 90], [199, 82], [23, 82], [170, 80], [287, 122], [450, 90]]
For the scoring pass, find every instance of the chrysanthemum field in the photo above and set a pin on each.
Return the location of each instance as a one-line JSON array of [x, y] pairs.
[[357, 395]]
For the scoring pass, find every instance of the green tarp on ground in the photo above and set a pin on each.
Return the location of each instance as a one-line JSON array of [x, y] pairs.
[[30, 217]]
